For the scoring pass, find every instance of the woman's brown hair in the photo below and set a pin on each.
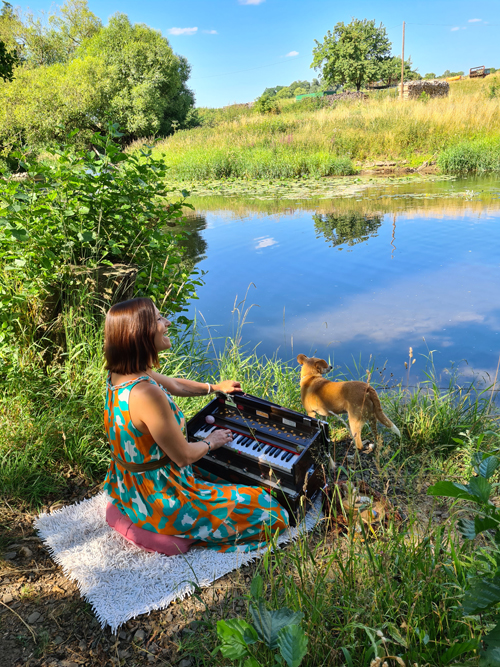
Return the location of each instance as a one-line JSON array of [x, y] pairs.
[[129, 334]]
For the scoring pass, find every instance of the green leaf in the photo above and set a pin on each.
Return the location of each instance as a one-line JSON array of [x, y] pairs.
[[482, 523], [481, 596], [488, 466], [251, 662], [83, 210], [480, 488], [257, 587], [467, 528], [490, 656], [269, 623], [458, 649], [19, 234], [292, 642], [231, 633], [347, 656], [451, 490]]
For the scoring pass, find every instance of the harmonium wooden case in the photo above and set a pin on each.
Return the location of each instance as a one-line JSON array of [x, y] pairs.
[[272, 447]]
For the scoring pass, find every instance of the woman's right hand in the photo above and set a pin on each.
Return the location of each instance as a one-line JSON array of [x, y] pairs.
[[219, 438]]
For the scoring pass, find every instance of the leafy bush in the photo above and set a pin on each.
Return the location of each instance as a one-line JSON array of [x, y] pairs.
[[81, 211], [483, 593], [266, 104]]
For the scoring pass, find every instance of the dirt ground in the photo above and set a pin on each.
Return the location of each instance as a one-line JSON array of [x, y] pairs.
[[44, 622]]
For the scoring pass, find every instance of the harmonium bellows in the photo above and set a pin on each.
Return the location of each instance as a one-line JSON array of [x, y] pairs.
[[272, 447]]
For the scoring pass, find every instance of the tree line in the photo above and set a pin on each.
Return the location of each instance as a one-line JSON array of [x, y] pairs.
[[66, 71]]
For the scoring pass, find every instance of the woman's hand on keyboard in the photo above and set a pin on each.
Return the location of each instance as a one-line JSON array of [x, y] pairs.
[[219, 438]]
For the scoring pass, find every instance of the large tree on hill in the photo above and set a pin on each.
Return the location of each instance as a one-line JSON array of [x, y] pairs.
[[353, 54]]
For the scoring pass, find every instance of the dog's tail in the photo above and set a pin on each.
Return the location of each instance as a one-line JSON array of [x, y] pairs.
[[379, 414]]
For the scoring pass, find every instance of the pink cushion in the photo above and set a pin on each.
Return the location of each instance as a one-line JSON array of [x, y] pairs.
[[170, 545]]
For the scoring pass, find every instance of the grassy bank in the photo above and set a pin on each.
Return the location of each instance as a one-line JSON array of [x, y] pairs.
[[461, 132], [394, 594]]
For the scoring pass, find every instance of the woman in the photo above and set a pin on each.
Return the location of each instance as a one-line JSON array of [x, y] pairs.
[[150, 478]]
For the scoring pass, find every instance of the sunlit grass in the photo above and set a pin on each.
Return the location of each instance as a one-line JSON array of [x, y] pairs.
[[297, 142]]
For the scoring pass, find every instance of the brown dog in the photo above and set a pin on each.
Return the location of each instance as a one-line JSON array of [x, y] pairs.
[[326, 398]]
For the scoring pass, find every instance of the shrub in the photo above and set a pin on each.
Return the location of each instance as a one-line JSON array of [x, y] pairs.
[[266, 104], [81, 211]]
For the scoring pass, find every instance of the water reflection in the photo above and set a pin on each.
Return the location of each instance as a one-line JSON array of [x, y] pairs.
[[350, 228], [437, 291]]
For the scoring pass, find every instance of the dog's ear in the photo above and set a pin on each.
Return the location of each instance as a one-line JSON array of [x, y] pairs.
[[301, 358], [321, 365]]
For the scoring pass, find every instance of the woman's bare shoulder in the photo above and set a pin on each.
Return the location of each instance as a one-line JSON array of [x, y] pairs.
[[149, 392]]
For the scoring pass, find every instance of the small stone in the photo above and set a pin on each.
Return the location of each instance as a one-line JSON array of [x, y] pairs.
[[34, 617], [24, 552], [68, 663], [58, 640], [10, 555], [194, 625], [123, 654], [7, 598], [139, 636], [187, 662], [122, 634], [82, 645]]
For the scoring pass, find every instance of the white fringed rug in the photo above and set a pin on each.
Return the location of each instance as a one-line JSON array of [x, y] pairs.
[[121, 580]]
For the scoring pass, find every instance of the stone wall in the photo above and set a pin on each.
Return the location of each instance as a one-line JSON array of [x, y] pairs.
[[433, 88]]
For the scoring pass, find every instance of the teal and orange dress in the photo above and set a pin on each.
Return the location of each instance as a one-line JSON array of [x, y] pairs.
[[187, 502]]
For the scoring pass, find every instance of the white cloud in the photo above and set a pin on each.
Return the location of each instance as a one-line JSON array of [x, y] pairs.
[[210, 32], [250, 2], [453, 29], [475, 20], [404, 311], [291, 54], [264, 242], [182, 31]]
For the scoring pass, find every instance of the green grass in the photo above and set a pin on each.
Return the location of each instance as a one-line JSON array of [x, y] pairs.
[[394, 594], [309, 139], [477, 157]]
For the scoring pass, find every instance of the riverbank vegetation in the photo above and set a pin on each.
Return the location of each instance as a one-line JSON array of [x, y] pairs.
[[322, 138], [395, 591]]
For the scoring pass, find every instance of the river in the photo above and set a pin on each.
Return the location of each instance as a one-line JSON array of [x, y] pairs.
[[358, 279]]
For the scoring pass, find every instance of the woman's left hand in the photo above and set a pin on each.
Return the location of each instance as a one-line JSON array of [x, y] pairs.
[[228, 387]]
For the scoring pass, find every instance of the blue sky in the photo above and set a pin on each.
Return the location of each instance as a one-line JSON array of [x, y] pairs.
[[237, 48]]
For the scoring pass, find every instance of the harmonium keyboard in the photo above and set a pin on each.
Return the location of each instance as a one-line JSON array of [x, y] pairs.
[[272, 447]]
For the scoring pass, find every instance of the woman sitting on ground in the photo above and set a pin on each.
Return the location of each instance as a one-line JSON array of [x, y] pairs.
[[151, 478]]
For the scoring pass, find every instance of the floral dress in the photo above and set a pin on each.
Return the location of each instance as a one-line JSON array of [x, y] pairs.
[[187, 502]]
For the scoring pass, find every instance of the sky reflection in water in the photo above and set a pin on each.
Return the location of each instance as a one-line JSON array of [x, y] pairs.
[[348, 278]]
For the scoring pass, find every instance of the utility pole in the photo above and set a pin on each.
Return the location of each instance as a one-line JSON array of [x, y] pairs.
[[403, 63]]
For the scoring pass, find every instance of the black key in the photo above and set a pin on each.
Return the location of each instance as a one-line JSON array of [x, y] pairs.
[[289, 457], [268, 450]]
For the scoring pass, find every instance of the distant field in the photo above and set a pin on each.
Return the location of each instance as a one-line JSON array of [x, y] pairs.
[[460, 132]]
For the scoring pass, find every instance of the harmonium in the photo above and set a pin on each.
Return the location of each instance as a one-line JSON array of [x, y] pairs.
[[272, 447]]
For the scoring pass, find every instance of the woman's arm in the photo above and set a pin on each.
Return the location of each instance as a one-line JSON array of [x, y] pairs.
[[151, 413], [182, 387]]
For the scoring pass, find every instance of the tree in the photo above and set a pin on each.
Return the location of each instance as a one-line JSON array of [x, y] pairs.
[[124, 73], [346, 228], [391, 71], [429, 76], [143, 82], [353, 54], [8, 60]]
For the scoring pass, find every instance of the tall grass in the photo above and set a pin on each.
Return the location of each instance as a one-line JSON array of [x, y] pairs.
[[302, 141], [393, 593], [51, 414]]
